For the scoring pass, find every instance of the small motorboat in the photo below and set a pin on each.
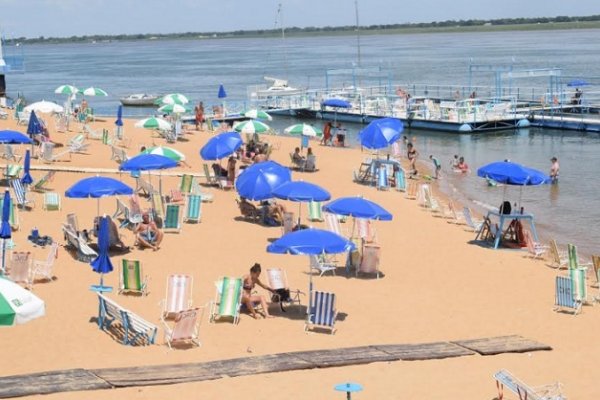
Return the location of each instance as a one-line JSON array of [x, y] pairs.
[[140, 100]]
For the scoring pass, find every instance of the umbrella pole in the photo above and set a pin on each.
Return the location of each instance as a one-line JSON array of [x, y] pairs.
[[3, 256]]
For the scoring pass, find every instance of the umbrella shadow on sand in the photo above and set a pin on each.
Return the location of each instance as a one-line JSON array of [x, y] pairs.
[[115, 331]]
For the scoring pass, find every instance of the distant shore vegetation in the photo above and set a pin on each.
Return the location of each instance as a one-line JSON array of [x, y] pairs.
[[471, 25]]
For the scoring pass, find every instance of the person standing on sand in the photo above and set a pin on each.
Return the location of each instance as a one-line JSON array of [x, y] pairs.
[[554, 170], [412, 155], [437, 167], [327, 133], [199, 116]]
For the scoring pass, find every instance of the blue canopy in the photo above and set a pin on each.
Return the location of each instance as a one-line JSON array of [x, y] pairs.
[[96, 187], [13, 137], [26, 179], [258, 181], [34, 127], [5, 230], [222, 94], [221, 145], [311, 242], [381, 133], [301, 191], [339, 103], [578, 83], [102, 263], [119, 121], [146, 162], [357, 207], [511, 173]]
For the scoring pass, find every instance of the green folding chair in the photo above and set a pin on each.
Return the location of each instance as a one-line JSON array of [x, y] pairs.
[[187, 181], [172, 221], [193, 209], [51, 201], [12, 171], [40, 185], [314, 211], [228, 300], [131, 278]]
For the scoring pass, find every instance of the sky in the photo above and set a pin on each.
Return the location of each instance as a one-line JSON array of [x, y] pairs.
[[60, 18]]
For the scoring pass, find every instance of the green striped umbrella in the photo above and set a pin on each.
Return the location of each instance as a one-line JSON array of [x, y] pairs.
[[251, 127], [93, 91], [153, 123], [303, 129], [257, 114], [173, 154], [66, 89], [173, 98], [17, 305], [174, 108]]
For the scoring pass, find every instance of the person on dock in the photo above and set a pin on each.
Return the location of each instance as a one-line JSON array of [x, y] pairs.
[[576, 99], [554, 170], [437, 167]]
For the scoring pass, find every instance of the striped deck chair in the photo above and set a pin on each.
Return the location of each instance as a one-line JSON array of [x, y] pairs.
[[158, 205], [176, 196], [596, 265], [51, 201], [13, 218], [535, 250], [19, 268], [186, 184], [173, 217], [46, 152], [288, 222], [558, 259], [369, 262], [564, 296], [365, 230], [475, 225], [91, 133], [400, 180], [382, 179], [21, 197], [314, 211], [578, 274], [185, 329], [40, 185], [193, 209], [411, 190], [43, 268], [12, 171], [178, 296], [205, 196], [9, 153], [322, 264], [228, 299], [143, 185], [211, 179], [429, 201], [131, 278], [333, 223], [135, 208], [322, 313]]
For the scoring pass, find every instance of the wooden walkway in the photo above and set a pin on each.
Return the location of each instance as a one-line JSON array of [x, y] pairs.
[[107, 378]]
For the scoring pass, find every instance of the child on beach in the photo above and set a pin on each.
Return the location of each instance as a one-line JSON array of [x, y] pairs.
[[437, 167], [248, 298], [462, 166]]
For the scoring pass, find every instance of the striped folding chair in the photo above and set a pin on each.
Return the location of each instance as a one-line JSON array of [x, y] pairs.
[[178, 296], [400, 181], [187, 182], [322, 313], [21, 197], [228, 299], [565, 296], [314, 211], [172, 222], [193, 209], [131, 278], [51, 201], [382, 179]]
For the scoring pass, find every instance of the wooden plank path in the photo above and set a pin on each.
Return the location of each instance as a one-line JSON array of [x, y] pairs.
[[106, 378]]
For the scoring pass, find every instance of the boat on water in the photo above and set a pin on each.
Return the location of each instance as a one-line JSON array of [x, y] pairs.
[[278, 88], [139, 100]]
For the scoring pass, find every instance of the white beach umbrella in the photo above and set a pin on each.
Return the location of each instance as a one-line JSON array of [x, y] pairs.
[[170, 152], [257, 114], [174, 108], [17, 305], [153, 123], [251, 127], [66, 89], [43, 107], [303, 129], [173, 98], [93, 91]]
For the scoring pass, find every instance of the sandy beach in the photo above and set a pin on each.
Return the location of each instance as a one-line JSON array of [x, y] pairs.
[[436, 285]]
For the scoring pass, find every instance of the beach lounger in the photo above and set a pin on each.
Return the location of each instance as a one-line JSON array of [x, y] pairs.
[[204, 196], [382, 179], [46, 152], [278, 280], [175, 196], [333, 223], [91, 133], [558, 259], [135, 210], [72, 222], [9, 153], [429, 201], [173, 218], [475, 225], [315, 212], [185, 329], [365, 230], [142, 185], [3, 114], [322, 264], [131, 278], [454, 217], [211, 179], [40, 185], [158, 205], [106, 138], [400, 181], [19, 268], [411, 190], [505, 379], [178, 296], [13, 217], [186, 184], [193, 209], [77, 143], [574, 261], [535, 250], [565, 297], [135, 329], [12, 171], [228, 300], [578, 274], [323, 312], [249, 211], [51, 201], [44, 268], [84, 253], [23, 118], [369, 262], [22, 198], [118, 154]]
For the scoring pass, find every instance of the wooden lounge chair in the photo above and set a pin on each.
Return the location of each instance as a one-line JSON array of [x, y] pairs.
[[185, 329], [178, 295], [44, 268], [131, 278], [505, 379], [323, 312], [228, 300]]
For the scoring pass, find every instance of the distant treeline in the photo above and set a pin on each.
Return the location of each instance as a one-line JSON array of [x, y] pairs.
[[311, 30]]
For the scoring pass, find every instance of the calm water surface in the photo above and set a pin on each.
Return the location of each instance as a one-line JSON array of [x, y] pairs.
[[569, 211]]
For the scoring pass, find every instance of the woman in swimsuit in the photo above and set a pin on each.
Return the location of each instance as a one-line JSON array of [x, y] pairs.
[[249, 299], [412, 154]]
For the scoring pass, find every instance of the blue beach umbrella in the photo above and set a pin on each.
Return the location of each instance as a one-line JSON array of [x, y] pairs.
[[221, 146], [301, 191], [222, 94], [258, 181], [578, 83], [13, 137], [97, 187], [5, 229], [357, 207], [338, 103], [148, 162], [511, 173], [102, 263], [381, 133], [26, 179]]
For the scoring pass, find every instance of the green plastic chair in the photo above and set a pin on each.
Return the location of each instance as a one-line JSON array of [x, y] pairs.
[[131, 278], [228, 299]]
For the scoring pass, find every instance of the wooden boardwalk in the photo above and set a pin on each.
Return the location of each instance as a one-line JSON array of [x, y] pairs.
[[107, 378]]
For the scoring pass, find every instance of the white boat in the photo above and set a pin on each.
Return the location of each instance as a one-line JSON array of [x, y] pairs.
[[279, 87], [139, 99]]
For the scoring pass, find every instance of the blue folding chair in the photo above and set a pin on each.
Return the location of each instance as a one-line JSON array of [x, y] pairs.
[[400, 181], [564, 297], [382, 179], [322, 313], [22, 200]]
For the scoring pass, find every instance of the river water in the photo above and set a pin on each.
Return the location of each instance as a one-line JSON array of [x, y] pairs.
[[569, 211]]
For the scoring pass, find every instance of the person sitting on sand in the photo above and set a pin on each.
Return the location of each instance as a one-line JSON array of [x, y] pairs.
[[297, 157], [248, 298], [272, 213], [462, 165], [311, 160], [148, 234]]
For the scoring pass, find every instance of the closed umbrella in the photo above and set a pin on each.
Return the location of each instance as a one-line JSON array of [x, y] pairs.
[[119, 122], [18, 305], [26, 179], [258, 181], [34, 127], [5, 229], [221, 146], [102, 263], [381, 133], [222, 93]]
